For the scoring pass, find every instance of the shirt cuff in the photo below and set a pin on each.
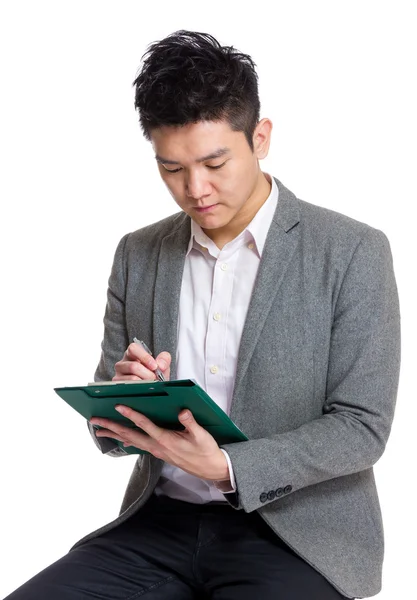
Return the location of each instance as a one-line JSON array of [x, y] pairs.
[[229, 485]]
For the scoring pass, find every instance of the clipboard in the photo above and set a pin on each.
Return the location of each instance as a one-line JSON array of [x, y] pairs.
[[160, 401]]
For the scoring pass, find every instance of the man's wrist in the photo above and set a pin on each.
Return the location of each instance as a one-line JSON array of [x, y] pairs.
[[228, 485], [222, 470]]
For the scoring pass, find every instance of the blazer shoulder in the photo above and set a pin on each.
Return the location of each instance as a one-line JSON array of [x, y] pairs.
[[152, 235], [319, 216], [161, 228], [331, 228], [323, 227]]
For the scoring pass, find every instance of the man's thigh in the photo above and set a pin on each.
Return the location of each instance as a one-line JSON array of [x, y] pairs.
[[175, 550], [252, 562], [123, 564]]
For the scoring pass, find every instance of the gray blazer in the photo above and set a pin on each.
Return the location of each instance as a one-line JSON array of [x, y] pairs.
[[316, 380]]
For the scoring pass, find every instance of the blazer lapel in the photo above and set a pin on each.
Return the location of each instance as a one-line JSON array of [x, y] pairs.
[[168, 288], [281, 242]]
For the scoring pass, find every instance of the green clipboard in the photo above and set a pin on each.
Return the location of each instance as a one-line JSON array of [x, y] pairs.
[[160, 401]]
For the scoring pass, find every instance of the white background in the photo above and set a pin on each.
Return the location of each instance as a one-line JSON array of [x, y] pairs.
[[338, 81]]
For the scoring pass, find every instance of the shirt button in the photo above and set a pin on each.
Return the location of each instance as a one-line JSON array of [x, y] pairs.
[[224, 267], [251, 246], [217, 316], [214, 369]]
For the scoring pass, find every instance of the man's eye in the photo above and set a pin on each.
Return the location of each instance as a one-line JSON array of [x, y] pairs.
[[217, 166], [208, 166], [172, 170]]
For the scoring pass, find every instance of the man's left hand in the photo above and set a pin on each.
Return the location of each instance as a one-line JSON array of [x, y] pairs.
[[194, 450]]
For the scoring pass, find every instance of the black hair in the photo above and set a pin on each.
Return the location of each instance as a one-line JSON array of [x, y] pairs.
[[189, 77]]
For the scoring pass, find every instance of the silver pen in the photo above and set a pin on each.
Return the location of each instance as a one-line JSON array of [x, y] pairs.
[[157, 371]]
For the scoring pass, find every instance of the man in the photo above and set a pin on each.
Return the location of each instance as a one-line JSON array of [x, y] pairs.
[[287, 314]]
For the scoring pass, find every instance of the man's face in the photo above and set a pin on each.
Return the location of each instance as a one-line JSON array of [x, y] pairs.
[[210, 171]]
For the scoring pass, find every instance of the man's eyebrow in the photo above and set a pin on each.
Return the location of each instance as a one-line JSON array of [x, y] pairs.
[[216, 154]]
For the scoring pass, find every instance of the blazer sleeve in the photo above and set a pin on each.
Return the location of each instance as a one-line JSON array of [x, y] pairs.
[[362, 381], [115, 339]]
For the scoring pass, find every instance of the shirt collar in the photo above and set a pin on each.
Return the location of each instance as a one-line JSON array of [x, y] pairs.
[[257, 230], [261, 222]]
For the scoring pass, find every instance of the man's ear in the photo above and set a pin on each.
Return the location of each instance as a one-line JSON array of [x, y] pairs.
[[262, 138]]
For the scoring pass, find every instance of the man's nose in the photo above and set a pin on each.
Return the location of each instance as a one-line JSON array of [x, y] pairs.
[[197, 186]]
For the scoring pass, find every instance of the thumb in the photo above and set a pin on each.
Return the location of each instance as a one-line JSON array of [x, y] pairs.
[[186, 418], [164, 363]]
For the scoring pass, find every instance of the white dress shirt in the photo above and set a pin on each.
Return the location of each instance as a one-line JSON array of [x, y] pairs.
[[215, 294]]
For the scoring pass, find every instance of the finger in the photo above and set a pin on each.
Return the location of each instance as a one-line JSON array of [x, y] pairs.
[[126, 435], [109, 434], [141, 421], [133, 368], [135, 352], [119, 431], [106, 433], [126, 378], [186, 418], [164, 363], [113, 426]]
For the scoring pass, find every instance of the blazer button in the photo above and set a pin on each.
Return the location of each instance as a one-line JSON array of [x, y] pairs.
[[271, 495], [287, 489], [263, 497], [279, 492]]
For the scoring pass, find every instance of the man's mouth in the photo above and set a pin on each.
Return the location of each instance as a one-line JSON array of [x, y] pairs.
[[203, 209]]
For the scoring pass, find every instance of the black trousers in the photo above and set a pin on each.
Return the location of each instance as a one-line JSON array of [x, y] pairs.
[[176, 550]]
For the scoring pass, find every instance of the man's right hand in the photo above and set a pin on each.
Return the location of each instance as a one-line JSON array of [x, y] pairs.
[[139, 365]]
